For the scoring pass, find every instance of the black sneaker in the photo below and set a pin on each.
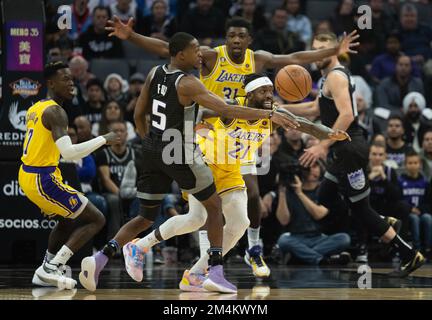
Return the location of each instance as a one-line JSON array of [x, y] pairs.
[[341, 259], [406, 268]]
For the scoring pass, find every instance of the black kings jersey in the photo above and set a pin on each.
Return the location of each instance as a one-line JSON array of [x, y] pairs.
[[327, 106], [166, 110]]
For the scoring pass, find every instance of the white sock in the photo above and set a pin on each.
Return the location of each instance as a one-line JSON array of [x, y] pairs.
[[49, 256], [62, 256], [253, 236], [148, 241], [204, 242]]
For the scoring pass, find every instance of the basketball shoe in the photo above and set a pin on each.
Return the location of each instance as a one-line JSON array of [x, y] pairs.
[[54, 275], [254, 259], [192, 282], [134, 260], [90, 270], [65, 269], [216, 281], [409, 266]]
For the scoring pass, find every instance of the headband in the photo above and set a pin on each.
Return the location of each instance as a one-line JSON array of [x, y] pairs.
[[257, 83]]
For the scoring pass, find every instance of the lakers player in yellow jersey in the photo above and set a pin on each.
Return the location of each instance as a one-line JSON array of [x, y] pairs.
[[40, 178], [230, 143], [223, 70]]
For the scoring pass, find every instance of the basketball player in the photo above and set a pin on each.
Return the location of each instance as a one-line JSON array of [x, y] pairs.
[[225, 147], [223, 71], [347, 173], [171, 96], [40, 178]]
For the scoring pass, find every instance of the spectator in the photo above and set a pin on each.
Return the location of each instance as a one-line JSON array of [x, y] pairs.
[[92, 109], [297, 209], [323, 26], [384, 65], [79, 69], [415, 37], [158, 24], [373, 40], [415, 189], [116, 88], [292, 143], [298, 23], [386, 195], [95, 42], [81, 19], [415, 123], [112, 113], [366, 119], [86, 169], [124, 9], [83, 129], [396, 146], [145, 7], [426, 154], [275, 38], [204, 21], [343, 18], [55, 54], [424, 10], [136, 83], [252, 13], [392, 90], [111, 164]]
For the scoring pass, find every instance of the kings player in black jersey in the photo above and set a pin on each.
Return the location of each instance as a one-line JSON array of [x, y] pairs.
[[346, 172], [170, 96]]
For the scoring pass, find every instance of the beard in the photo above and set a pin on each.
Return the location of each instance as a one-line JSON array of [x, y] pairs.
[[414, 116], [324, 64]]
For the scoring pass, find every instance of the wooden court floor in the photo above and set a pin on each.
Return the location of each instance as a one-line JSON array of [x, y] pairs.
[[286, 283]]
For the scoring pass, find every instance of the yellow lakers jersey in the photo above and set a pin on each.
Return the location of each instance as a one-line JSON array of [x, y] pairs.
[[226, 78], [230, 145], [39, 149]]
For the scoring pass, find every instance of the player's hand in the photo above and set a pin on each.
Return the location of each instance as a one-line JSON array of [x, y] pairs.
[[112, 138], [313, 154], [285, 119], [347, 43], [339, 135], [119, 29]]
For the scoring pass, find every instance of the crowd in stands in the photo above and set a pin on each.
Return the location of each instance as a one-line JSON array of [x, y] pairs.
[[393, 77]]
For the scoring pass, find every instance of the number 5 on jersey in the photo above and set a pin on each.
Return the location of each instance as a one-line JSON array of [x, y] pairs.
[[161, 122]]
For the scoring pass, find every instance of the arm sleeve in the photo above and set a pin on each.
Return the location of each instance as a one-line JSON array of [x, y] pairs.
[[71, 151]]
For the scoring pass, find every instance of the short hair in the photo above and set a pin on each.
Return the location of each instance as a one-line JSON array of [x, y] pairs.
[[100, 7], [408, 7], [251, 77], [428, 130], [378, 144], [326, 36], [118, 121], [51, 68], [411, 153], [395, 117], [238, 22], [178, 42]]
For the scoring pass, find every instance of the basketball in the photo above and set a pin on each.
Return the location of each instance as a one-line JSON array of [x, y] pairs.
[[293, 83]]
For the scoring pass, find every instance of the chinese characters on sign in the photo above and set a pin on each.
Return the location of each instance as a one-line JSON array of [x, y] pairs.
[[25, 43]]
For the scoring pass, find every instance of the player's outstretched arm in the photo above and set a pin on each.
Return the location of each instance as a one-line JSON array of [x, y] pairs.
[[319, 131], [191, 89], [55, 119], [125, 32], [142, 107], [345, 45], [304, 109]]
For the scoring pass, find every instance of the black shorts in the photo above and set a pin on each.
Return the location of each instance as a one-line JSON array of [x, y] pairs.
[[348, 168], [155, 177]]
